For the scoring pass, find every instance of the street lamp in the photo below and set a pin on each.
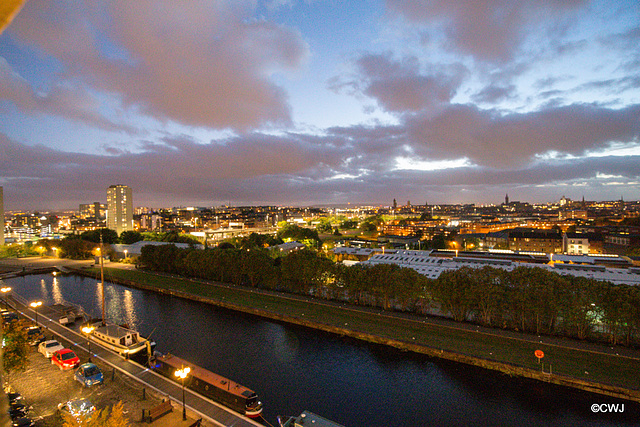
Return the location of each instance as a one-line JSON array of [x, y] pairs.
[[87, 330], [55, 252], [35, 306], [4, 291], [125, 253], [182, 374]]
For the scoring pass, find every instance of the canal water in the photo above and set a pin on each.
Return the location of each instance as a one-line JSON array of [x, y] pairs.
[[351, 382]]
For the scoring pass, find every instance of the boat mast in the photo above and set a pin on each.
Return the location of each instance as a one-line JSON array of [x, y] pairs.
[[102, 279]]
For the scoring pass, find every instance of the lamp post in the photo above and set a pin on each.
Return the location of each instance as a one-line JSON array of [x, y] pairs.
[[35, 306], [87, 330], [55, 252], [4, 291], [125, 253], [182, 374]]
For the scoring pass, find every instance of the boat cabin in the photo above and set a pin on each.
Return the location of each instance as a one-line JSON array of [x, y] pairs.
[[214, 386], [116, 335]]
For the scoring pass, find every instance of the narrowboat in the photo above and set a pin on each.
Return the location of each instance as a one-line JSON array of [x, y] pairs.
[[215, 387]]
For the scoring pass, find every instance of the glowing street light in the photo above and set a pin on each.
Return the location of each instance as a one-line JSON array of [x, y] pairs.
[[125, 253], [35, 306], [55, 252], [87, 330], [182, 374], [4, 291]]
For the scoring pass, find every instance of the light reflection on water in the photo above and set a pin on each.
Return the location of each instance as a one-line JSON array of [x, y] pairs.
[[354, 383], [56, 293], [129, 309]]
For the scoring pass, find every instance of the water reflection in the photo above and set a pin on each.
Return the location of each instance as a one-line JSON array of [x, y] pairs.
[[98, 298], [56, 292], [129, 309], [43, 291], [283, 343]]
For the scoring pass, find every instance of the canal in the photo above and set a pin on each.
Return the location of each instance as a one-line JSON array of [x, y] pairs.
[[293, 368]]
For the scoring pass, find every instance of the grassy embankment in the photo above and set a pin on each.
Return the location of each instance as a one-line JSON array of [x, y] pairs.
[[579, 364]]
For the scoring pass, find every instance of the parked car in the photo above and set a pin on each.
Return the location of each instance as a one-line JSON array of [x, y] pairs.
[[65, 359], [34, 335], [14, 398], [9, 317], [23, 422], [18, 410], [47, 348], [77, 407], [89, 374]]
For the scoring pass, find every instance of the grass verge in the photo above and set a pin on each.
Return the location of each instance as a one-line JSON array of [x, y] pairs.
[[578, 364]]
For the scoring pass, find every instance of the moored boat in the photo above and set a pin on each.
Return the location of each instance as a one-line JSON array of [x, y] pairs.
[[217, 388], [70, 315], [119, 338], [124, 341], [307, 418]]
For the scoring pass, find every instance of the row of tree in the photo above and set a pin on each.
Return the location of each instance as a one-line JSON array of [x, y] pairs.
[[525, 299]]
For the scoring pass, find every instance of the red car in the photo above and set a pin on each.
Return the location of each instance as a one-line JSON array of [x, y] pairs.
[[65, 359]]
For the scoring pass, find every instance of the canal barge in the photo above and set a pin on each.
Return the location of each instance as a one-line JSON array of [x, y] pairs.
[[124, 341], [217, 388]]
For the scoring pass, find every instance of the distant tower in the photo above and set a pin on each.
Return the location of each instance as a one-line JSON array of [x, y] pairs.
[[119, 208], [395, 204], [506, 199], [1, 215]]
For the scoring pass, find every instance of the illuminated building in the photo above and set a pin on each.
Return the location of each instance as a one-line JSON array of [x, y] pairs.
[[119, 208]]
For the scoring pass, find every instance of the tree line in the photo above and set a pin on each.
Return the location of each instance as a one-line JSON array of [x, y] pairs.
[[525, 299]]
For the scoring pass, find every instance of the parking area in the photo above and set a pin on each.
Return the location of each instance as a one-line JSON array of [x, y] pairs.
[[44, 386]]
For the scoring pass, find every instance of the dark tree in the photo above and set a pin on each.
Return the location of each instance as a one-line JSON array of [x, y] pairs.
[[130, 237], [108, 236]]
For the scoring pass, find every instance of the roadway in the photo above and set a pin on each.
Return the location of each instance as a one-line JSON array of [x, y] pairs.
[[197, 404]]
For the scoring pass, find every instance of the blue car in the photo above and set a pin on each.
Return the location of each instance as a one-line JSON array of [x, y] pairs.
[[88, 374]]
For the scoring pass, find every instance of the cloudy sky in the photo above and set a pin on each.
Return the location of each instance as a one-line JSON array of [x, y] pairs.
[[320, 101]]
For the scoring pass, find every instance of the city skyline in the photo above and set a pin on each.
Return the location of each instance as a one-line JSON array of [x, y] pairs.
[[318, 102]]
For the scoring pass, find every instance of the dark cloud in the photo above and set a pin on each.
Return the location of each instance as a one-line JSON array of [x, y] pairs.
[[199, 64], [489, 138], [488, 30], [615, 86], [347, 164], [495, 93], [399, 85], [69, 102]]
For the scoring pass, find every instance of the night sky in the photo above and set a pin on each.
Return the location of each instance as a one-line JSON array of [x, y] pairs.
[[204, 103]]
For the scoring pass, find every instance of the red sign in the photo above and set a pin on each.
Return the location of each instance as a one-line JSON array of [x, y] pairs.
[[539, 354]]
